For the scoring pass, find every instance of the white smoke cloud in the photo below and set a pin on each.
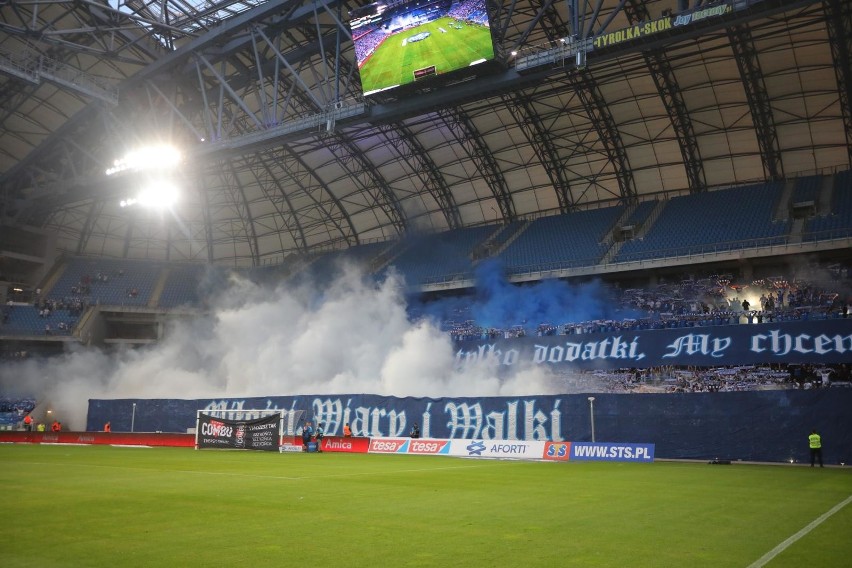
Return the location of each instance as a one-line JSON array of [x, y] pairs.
[[356, 338]]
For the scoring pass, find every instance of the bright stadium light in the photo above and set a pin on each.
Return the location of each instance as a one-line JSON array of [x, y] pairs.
[[159, 194], [161, 157]]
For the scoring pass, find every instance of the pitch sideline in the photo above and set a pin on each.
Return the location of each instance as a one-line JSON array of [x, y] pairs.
[[763, 560]]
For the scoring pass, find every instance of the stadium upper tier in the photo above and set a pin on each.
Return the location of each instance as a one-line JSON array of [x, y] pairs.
[[724, 220], [838, 222]]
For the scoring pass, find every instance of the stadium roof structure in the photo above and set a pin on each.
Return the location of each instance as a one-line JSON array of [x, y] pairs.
[[589, 104]]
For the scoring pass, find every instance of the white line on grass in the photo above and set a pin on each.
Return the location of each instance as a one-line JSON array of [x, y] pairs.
[[255, 476], [763, 560]]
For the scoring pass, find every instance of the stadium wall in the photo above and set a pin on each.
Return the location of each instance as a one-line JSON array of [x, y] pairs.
[[768, 426]]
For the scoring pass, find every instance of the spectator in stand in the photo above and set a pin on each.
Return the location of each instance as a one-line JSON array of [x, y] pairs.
[[415, 431], [347, 431]]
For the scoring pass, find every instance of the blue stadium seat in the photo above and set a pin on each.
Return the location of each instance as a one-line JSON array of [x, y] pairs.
[[561, 241], [712, 221]]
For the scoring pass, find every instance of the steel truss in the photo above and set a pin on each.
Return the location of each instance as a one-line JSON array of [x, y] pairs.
[[280, 75], [747, 60], [670, 92], [839, 27]]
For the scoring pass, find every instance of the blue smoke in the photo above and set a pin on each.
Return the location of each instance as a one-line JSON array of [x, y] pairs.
[[496, 302]]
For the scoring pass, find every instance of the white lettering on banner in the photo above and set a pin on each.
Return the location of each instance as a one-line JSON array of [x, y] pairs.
[[396, 423], [486, 353], [610, 348], [781, 344], [695, 343], [426, 422], [329, 413], [611, 452], [466, 421], [515, 421], [228, 409], [367, 421], [534, 420], [216, 429]]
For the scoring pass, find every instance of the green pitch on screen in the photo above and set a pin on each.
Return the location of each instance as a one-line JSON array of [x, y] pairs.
[[394, 64]]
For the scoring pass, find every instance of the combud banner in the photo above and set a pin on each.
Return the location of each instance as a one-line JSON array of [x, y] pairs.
[[260, 434], [584, 451]]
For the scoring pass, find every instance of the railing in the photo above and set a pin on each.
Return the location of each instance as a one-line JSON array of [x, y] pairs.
[[778, 244]]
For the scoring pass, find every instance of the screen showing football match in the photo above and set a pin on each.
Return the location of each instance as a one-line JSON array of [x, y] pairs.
[[399, 42]]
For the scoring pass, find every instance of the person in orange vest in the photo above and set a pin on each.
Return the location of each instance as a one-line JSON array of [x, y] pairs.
[[107, 427], [347, 431], [28, 423], [56, 426]]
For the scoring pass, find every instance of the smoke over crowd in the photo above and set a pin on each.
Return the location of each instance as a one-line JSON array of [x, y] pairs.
[[355, 335]]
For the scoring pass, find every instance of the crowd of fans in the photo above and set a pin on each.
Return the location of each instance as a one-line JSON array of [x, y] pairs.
[[370, 38], [710, 301], [470, 11], [715, 379]]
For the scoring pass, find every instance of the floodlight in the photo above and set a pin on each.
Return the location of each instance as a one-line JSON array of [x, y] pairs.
[[160, 157], [160, 194]]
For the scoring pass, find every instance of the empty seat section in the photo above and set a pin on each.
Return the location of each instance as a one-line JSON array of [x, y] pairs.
[[561, 241], [838, 224], [182, 287], [434, 258], [712, 221], [806, 189], [641, 213]]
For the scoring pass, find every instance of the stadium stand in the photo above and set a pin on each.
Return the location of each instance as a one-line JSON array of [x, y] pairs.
[[182, 286], [443, 256], [561, 241], [107, 281], [711, 222], [13, 410], [806, 189], [641, 213], [28, 320], [839, 222]]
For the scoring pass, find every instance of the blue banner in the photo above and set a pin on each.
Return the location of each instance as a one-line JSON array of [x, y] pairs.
[[756, 425], [583, 451], [818, 342]]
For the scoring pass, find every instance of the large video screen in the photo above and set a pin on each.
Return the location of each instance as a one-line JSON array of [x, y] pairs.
[[398, 42]]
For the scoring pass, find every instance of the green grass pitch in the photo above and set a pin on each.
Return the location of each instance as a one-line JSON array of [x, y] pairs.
[[394, 64], [80, 506]]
